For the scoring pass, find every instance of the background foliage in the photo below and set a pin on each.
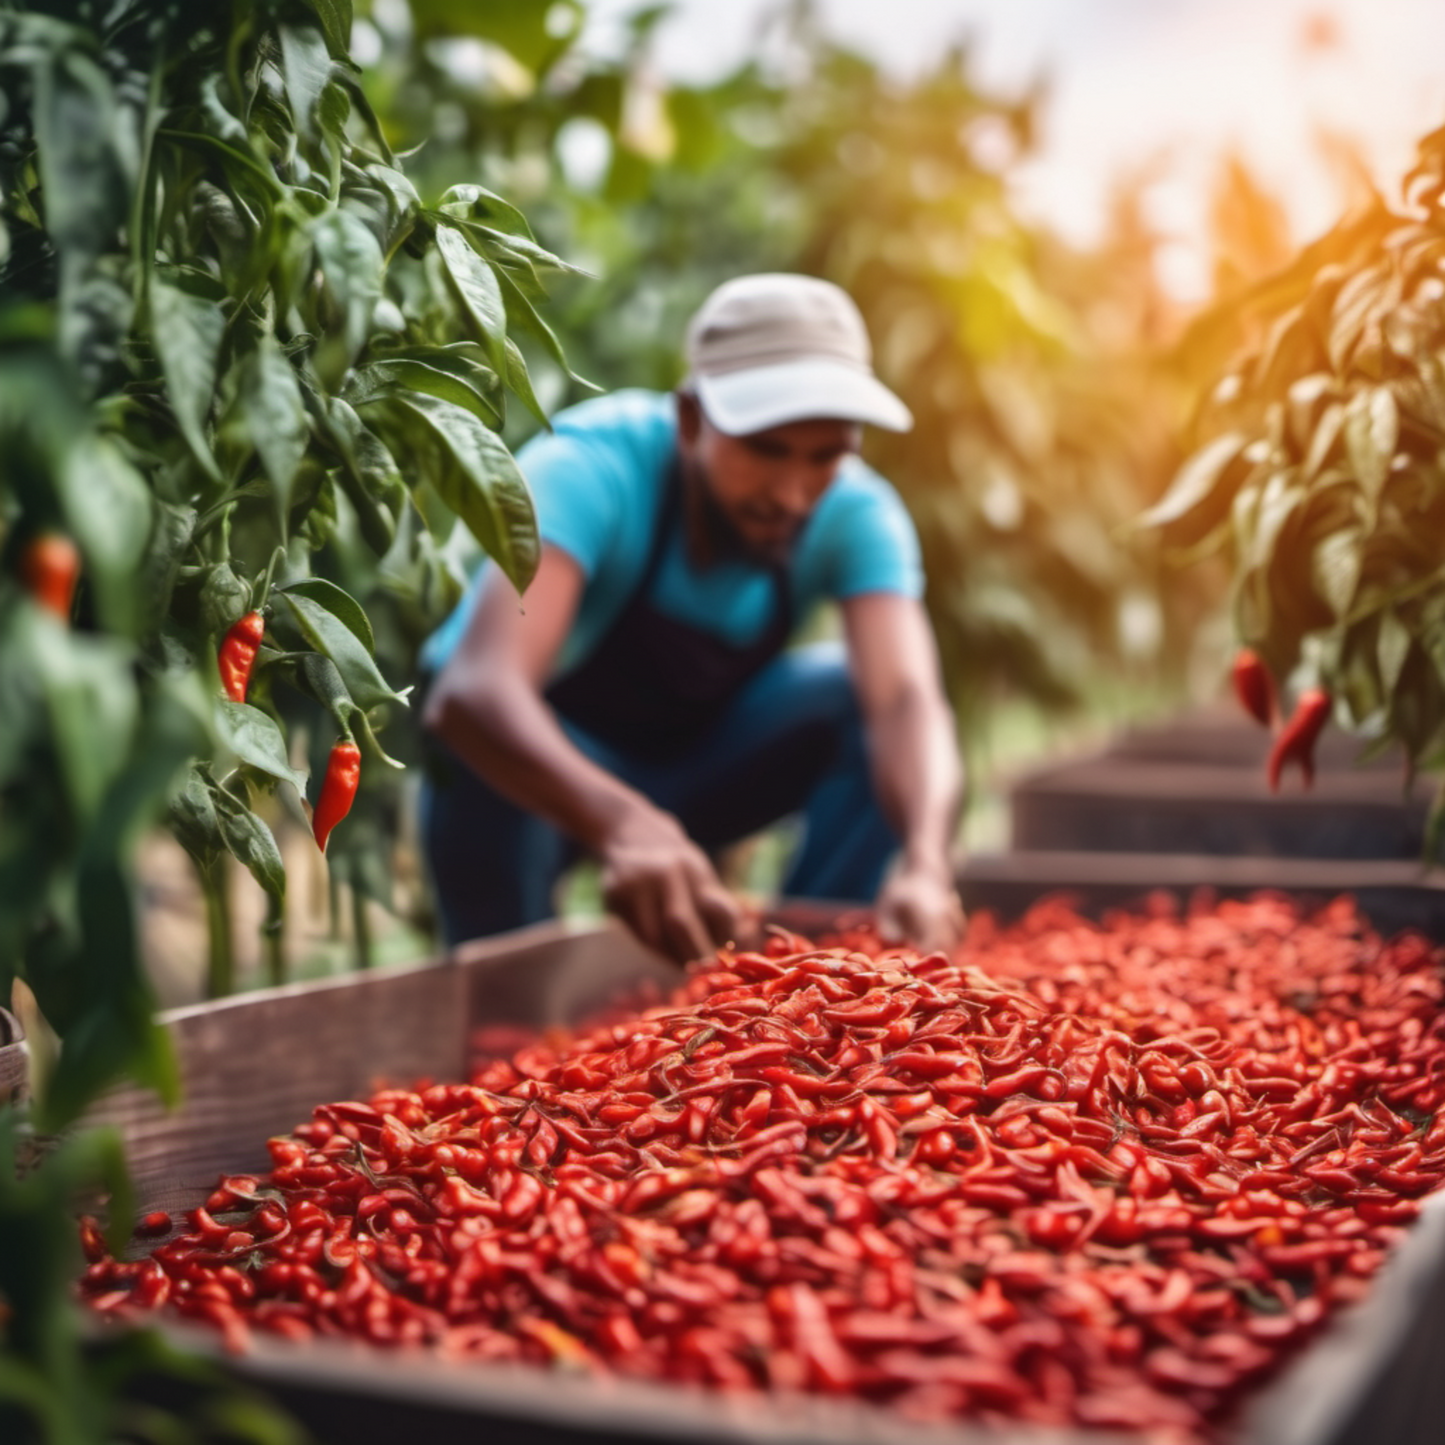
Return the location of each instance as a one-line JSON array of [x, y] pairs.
[[1045, 414], [1319, 467]]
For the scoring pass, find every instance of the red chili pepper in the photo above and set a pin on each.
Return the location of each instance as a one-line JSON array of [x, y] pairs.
[[637, 1198], [49, 569], [1296, 741], [237, 655], [1253, 685], [338, 789]]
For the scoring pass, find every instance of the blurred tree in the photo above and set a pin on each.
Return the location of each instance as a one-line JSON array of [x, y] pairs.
[[1045, 419]]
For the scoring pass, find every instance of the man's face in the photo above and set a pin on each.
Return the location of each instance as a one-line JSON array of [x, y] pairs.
[[765, 485]]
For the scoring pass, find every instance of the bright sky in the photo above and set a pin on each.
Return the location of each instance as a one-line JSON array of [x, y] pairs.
[[1135, 80]]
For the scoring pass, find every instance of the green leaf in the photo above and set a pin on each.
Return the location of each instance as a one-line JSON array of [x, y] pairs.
[[1196, 481], [1303, 407], [1392, 648], [223, 597], [1372, 431], [256, 739], [521, 312], [87, 153], [174, 528], [90, 696], [501, 247], [478, 479], [478, 286], [306, 66], [274, 415], [324, 683], [369, 476], [398, 188], [251, 842], [519, 382], [476, 203], [335, 18], [109, 509], [1335, 569], [1322, 442], [351, 265], [334, 638], [339, 603], [397, 373], [237, 164], [187, 331], [192, 816]]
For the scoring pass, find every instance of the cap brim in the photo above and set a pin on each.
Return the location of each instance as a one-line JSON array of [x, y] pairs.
[[752, 400]]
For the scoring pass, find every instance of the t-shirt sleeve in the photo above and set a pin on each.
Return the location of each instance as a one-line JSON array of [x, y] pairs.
[[869, 543], [576, 496]]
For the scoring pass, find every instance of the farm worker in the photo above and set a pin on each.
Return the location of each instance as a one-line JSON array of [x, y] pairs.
[[641, 703]]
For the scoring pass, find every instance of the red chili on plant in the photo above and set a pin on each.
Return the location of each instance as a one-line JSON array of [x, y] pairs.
[[338, 790], [1253, 685], [50, 568], [1296, 740], [237, 655]]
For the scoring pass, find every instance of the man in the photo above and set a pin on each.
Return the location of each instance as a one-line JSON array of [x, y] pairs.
[[640, 706]]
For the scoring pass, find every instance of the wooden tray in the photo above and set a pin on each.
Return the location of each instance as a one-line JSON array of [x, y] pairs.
[[256, 1064], [1115, 803]]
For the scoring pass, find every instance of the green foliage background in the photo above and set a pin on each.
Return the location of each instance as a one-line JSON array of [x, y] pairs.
[[1046, 410], [1320, 467]]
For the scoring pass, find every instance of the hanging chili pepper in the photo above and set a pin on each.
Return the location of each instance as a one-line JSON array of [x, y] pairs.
[[237, 655], [1253, 685], [1296, 742], [338, 789], [49, 567]]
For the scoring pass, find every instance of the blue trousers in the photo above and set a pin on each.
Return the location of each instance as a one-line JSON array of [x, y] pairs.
[[791, 742]]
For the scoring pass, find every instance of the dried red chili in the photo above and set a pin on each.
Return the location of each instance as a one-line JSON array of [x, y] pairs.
[[1079, 1173], [338, 790], [237, 654]]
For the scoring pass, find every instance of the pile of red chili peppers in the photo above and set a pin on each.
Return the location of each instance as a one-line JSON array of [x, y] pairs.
[[1079, 1174]]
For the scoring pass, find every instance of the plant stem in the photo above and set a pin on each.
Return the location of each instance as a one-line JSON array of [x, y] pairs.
[[274, 938], [221, 966], [361, 928]]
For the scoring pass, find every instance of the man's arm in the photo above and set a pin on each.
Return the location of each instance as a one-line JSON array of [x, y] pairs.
[[914, 760], [487, 706]]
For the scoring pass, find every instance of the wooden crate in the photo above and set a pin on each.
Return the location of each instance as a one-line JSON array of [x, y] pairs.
[[1222, 735], [1126, 804], [256, 1065]]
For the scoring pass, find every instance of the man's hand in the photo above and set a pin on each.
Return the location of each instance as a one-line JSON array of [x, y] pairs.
[[661, 884], [918, 904]]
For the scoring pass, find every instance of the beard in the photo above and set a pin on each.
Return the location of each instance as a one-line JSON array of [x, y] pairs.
[[714, 537]]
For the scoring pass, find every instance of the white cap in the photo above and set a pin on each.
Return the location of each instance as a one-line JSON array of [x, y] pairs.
[[773, 348]]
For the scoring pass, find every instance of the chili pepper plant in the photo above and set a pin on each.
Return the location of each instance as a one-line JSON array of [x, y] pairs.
[[234, 343], [1318, 468]]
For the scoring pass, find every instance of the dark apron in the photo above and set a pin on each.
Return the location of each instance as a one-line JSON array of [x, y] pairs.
[[653, 685]]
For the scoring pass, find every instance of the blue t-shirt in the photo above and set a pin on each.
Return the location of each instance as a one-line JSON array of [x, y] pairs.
[[597, 481]]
